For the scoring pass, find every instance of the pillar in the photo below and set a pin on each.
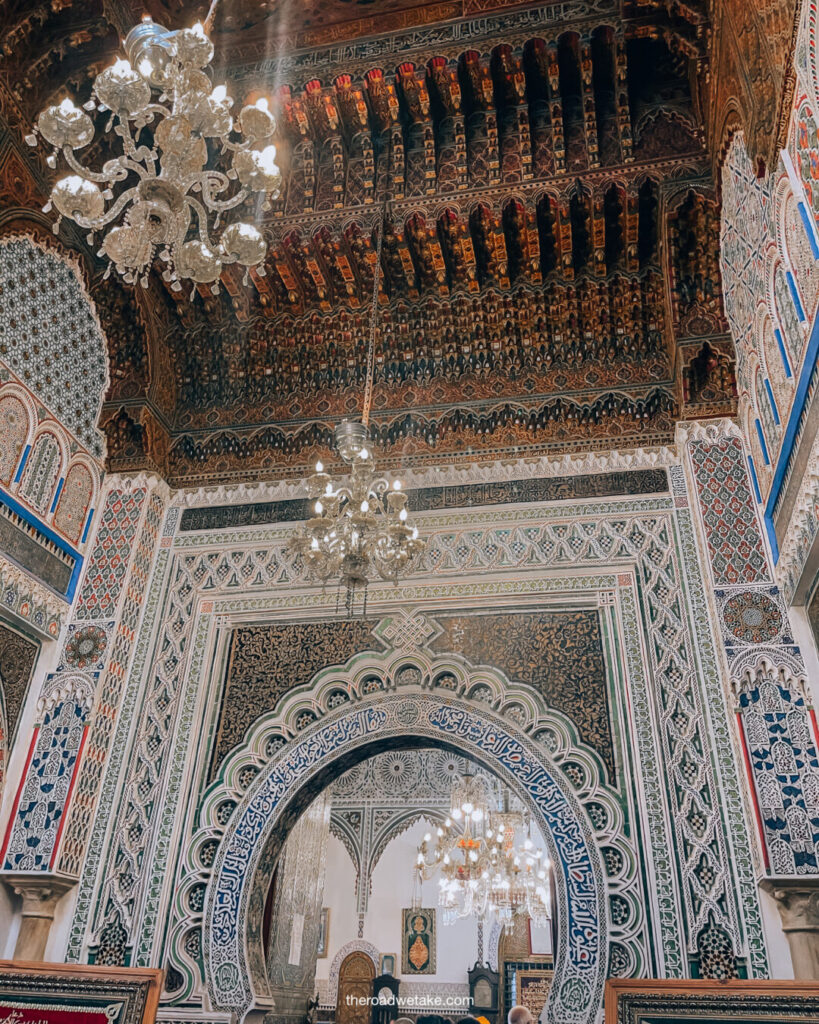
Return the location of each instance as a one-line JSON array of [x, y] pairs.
[[40, 894], [775, 726], [42, 850], [296, 914]]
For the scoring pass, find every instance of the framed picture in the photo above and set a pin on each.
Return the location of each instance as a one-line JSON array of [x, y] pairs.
[[532, 986], [43, 993], [386, 964], [418, 941], [324, 932], [636, 1001]]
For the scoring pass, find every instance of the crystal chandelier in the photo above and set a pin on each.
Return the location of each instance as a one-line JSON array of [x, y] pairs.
[[159, 195], [485, 870], [360, 529]]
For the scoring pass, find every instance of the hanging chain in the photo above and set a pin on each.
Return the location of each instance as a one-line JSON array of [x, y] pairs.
[[208, 22], [368, 387]]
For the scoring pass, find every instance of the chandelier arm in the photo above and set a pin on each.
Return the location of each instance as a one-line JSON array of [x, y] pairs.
[[378, 485], [136, 153], [208, 22], [210, 179], [219, 205], [150, 158], [202, 217], [241, 146], [90, 175], [122, 162], [110, 214]]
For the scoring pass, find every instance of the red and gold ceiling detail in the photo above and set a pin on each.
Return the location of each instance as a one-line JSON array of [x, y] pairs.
[[550, 264]]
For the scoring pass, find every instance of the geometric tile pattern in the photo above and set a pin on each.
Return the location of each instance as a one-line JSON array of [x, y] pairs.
[[86, 646], [89, 776], [747, 242], [557, 653], [13, 430], [43, 304], [753, 617], [140, 801], [18, 655], [268, 660], [735, 546], [112, 551], [56, 771], [744, 229], [75, 499]]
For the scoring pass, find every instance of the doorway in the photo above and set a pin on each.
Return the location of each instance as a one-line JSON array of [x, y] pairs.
[[355, 987]]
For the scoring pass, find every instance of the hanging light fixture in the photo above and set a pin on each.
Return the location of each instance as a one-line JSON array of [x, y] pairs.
[[162, 195], [485, 869], [360, 528]]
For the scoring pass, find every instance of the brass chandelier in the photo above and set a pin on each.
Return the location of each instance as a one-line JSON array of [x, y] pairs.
[[161, 195], [486, 871], [360, 528]]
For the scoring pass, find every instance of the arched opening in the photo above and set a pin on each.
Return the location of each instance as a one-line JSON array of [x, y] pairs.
[[302, 769], [355, 981]]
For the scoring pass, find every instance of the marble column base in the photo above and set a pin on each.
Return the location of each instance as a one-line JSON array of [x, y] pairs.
[[798, 901], [41, 893]]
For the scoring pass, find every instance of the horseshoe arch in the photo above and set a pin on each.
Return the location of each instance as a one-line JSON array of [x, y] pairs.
[[353, 733]]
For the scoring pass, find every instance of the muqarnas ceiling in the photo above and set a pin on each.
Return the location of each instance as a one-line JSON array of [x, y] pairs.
[[550, 263]]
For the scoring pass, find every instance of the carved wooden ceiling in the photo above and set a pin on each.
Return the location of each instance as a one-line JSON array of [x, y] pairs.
[[551, 273]]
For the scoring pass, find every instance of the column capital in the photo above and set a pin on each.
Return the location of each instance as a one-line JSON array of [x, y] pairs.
[[797, 899], [798, 902], [40, 890]]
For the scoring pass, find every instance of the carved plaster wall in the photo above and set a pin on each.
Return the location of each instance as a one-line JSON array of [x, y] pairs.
[[633, 559]]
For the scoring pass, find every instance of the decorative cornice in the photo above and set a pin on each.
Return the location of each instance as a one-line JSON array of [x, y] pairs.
[[23, 595], [302, 56], [706, 430], [449, 475], [689, 171], [776, 664], [129, 482], [77, 686]]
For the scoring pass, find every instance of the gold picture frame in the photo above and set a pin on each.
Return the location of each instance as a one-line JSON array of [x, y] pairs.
[[639, 1001], [418, 941], [96, 995]]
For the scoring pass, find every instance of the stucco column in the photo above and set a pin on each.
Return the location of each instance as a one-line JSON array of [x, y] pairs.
[[291, 961], [798, 902], [40, 894]]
